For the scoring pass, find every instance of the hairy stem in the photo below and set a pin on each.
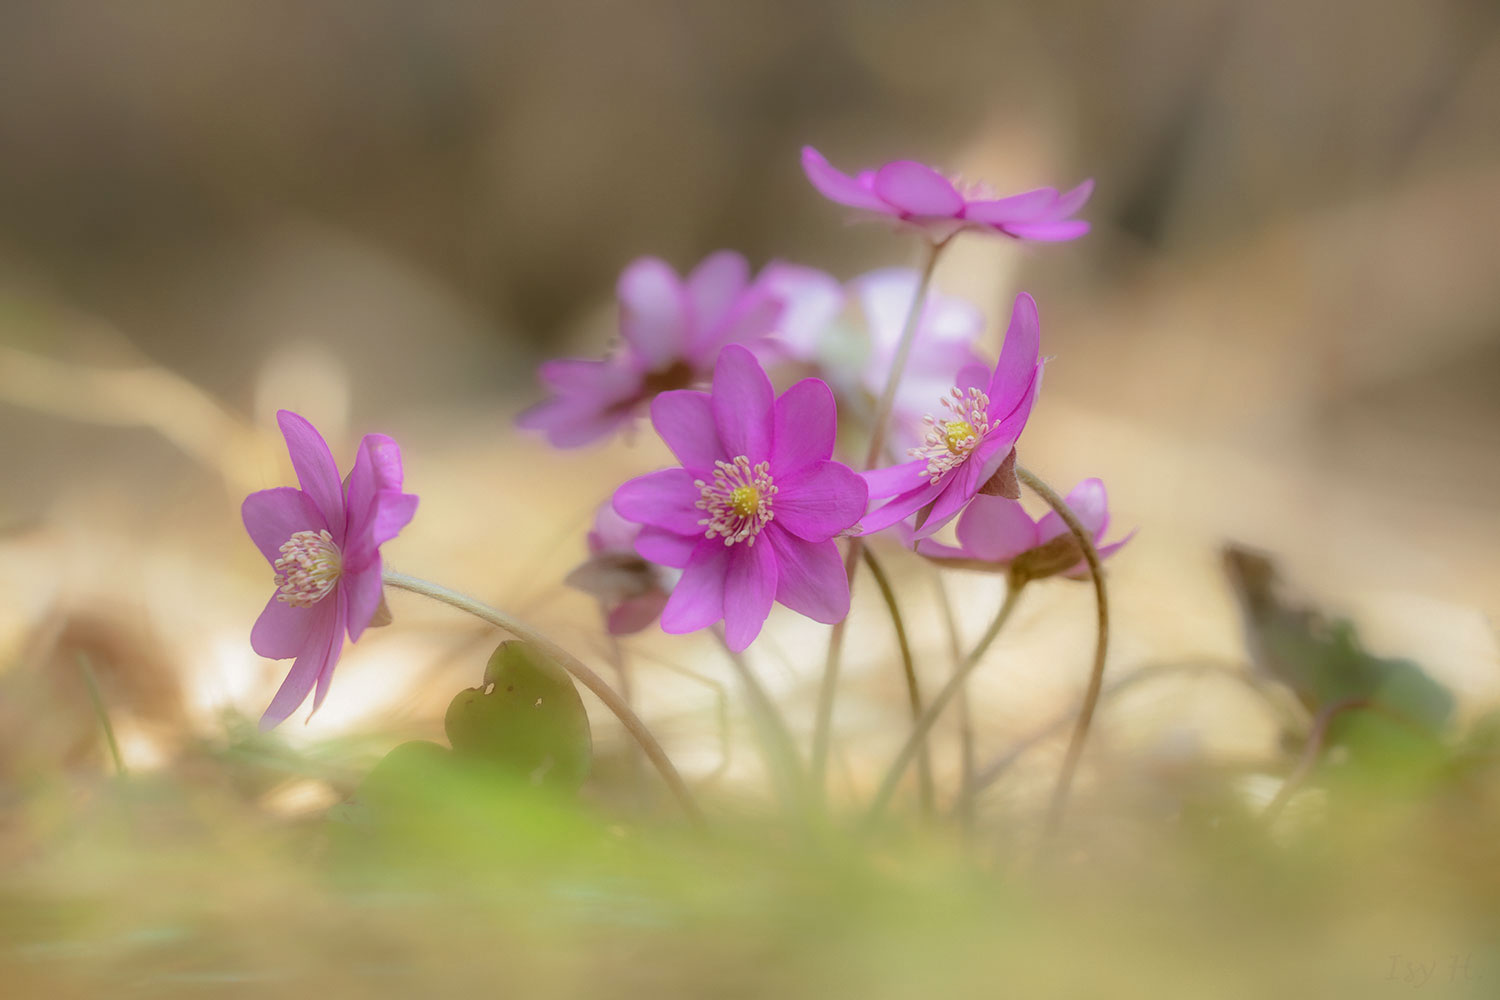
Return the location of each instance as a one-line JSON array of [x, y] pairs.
[[930, 716], [823, 722], [569, 662], [775, 738], [1096, 677], [913, 688]]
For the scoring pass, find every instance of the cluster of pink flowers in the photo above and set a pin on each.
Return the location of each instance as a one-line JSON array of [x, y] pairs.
[[752, 513]]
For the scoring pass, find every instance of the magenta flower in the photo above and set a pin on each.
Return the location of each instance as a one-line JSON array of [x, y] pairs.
[[996, 533], [631, 591], [323, 543], [671, 331], [967, 448], [751, 515], [916, 196]]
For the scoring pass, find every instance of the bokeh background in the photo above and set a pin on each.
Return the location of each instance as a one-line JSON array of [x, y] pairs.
[[1284, 332]]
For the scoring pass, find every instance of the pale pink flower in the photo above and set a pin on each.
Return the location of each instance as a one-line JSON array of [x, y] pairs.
[[918, 197], [323, 543], [631, 591]]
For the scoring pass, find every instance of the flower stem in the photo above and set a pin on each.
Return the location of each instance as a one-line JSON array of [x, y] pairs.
[[963, 809], [776, 739], [823, 723], [913, 688], [930, 716], [618, 660], [1096, 676], [569, 662]]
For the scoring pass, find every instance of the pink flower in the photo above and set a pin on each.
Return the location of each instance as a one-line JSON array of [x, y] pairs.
[[671, 331], [969, 445], [917, 196], [997, 533], [751, 515], [323, 543], [631, 591]]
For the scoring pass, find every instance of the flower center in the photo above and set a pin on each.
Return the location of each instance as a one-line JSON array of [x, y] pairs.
[[737, 502], [309, 568], [949, 441]]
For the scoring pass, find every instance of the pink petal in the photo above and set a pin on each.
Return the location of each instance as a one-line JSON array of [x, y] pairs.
[[1016, 208], [281, 630], [810, 577], [742, 403], [663, 499], [820, 501], [273, 516], [378, 510], [636, 613], [324, 642], [363, 590], [917, 190], [611, 532], [698, 599], [1014, 370], [973, 376], [838, 186], [753, 316], [960, 488], [902, 507], [1048, 232], [894, 479], [749, 592], [316, 470], [325, 676], [714, 286], [1072, 201], [937, 550], [811, 302], [567, 425], [654, 312], [1004, 437], [666, 548], [996, 529], [685, 420], [1089, 504], [805, 423]]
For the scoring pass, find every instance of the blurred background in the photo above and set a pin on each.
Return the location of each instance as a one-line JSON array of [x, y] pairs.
[[1283, 332]]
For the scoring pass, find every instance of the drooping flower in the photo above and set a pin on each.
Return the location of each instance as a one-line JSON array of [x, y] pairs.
[[671, 331], [751, 514], [996, 534], [969, 447], [323, 543], [631, 590], [916, 196]]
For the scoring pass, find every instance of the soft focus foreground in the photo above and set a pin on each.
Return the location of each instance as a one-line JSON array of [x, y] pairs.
[[1281, 333]]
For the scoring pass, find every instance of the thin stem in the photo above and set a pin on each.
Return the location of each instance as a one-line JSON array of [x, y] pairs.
[[1096, 676], [618, 660], [964, 807], [1311, 751], [924, 725], [823, 722], [776, 739], [569, 662], [913, 688], [91, 682]]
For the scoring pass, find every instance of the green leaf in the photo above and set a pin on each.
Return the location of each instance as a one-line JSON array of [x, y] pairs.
[[527, 720]]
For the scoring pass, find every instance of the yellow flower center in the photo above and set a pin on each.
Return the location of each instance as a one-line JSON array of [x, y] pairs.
[[956, 432], [745, 500]]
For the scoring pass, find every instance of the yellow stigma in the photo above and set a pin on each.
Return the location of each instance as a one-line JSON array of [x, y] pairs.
[[745, 500], [956, 432]]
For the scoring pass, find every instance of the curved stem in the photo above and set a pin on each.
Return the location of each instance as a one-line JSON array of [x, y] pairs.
[[569, 662], [1311, 751], [924, 725], [913, 687], [775, 737], [963, 809], [1096, 676], [823, 722]]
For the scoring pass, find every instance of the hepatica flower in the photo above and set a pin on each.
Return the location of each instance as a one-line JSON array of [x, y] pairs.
[[916, 196], [671, 330], [751, 514], [323, 543], [996, 533], [631, 590], [969, 442]]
